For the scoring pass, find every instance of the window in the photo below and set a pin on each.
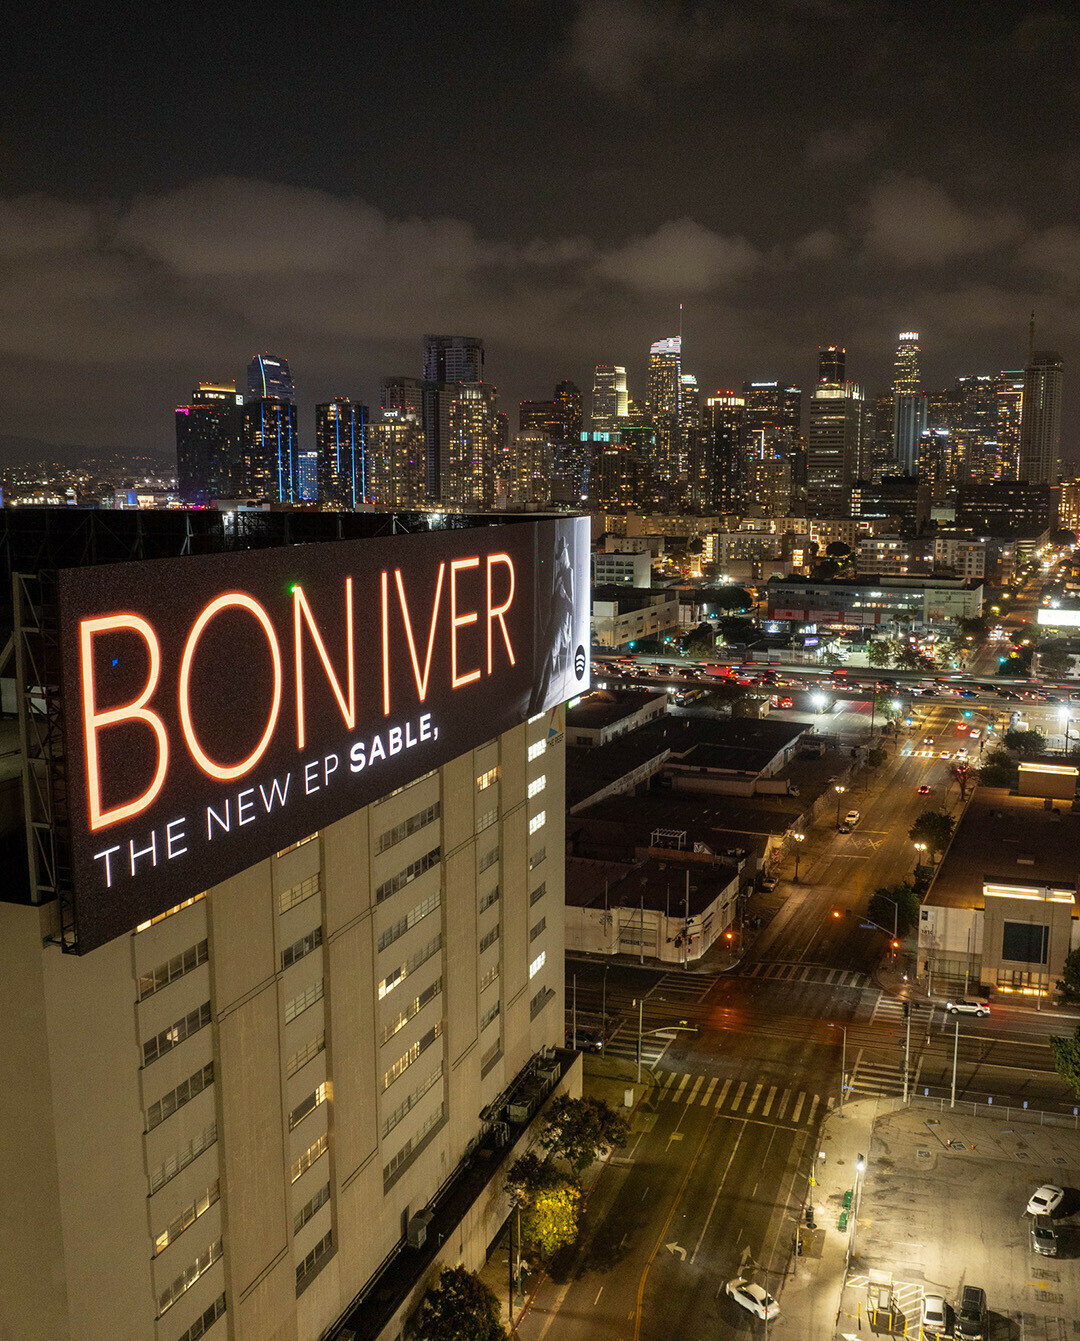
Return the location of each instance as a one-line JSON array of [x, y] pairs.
[[537, 821], [489, 976], [410, 1145], [183, 1157], [416, 1050], [484, 781], [409, 874], [539, 1001], [289, 898], [305, 1213], [420, 820], [149, 983], [491, 897], [312, 993], [311, 1155], [315, 1099], [1025, 942], [303, 1055], [204, 1321], [292, 954], [537, 749], [414, 915], [169, 1103], [184, 1282], [538, 893], [392, 1119], [488, 859], [312, 1262], [176, 1033], [487, 819], [293, 846], [537, 964], [414, 1008], [489, 938], [399, 974], [537, 857], [536, 718], [414, 782], [187, 1217], [538, 929], [537, 785], [169, 912], [490, 1014]]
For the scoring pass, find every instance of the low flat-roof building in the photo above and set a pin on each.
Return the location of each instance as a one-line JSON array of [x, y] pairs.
[[603, 715], [875, 602], [624, 615]]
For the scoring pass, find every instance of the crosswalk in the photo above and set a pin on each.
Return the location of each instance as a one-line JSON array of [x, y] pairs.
[[816, 974], [682, 987], [888, 1010], [624, 1044], [745, 1098]]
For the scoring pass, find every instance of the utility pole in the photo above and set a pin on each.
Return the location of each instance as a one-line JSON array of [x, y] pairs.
[[955, 1050], [907, 1049], [603, 1007], [641, 945], [640, 1006], [573, 1012], [686, 934]]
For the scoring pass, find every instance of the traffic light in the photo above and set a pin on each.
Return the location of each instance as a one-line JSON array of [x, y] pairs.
[[967, 712], [836, 912]]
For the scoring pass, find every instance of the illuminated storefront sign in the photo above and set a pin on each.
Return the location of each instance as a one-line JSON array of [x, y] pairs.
[[217, 709]]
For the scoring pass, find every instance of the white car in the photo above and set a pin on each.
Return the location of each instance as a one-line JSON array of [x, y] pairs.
[[967, 1007], [754, 1298], [935, 1317], [1045, 1200]]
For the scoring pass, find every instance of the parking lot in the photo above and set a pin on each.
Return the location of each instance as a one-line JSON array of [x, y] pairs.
[[943, 1206]]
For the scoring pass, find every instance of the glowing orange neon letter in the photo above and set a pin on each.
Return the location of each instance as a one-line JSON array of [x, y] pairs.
[[459, 621], [421, 680], [497, 611], [348, 710], [137, 711], [226, 771]]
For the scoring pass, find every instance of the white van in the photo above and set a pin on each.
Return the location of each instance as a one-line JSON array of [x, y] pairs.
[[849, 821]]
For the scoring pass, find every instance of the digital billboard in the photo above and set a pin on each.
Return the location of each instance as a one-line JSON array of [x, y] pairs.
[[219, 708]]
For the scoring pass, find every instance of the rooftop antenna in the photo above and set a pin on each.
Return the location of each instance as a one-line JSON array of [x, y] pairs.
[[1031, 339]]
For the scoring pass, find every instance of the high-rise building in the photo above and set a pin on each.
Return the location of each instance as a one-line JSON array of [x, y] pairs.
[[832, 361], [308, 477], [935, 467], [453, 358], [907, 374], [619, 473], [719, 479], [341, 447], [395, 474], [1040, 423], [209, 436], [405, 395], [472, 440], [909, 424], [269, 378], [665, 372], [271, 451], [609, 397], [449, 362], [266, 1074], [776, 410], [835, 445], [1010, 413]]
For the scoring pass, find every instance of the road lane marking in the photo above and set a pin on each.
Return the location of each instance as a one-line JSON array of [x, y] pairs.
[[692, 1096], [813, 1110], [677, 1096], [723, 1094], [768, 1101], [738, 1096], [708, 1093], [754, 1098], [798, 1106], [668, 1084], [598, 1294], [783, 1105], [716, 1195]]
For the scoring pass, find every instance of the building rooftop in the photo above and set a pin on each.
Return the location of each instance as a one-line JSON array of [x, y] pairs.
[[602, 707], [658, 884], [1010, 839], [897, 580]]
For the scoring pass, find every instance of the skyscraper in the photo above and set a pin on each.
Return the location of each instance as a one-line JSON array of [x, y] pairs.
[[209, 433], [665, 371], [907, 375], [909, 403], [609, 397], [449, 361], [341, 448], [269, 378], [775, 411], [831, 360], [1010, 410], [453, 358], [404, 394], [271, 468], [394, 475], [837, 435], [1040, 423], [719, 479]]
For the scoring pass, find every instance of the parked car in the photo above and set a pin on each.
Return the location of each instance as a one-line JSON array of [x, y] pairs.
[[588, 1040], [849, 821], [769, 882], [1044, 1236], [935, 1317], [1045, 1200], [754, 1298], [967, 1007], [972, 1318]]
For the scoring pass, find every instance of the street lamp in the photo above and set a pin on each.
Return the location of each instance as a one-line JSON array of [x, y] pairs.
[[1063, 717], [840, 789], [843, 1062], [920, 848], [798, 839]]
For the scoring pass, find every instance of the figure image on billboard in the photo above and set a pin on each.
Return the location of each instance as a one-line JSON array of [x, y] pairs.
[[561, 656]]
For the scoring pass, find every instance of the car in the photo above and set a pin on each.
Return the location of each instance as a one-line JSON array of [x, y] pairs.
[[769, 883], [944, 754], [972, 1319], [787, 703], [754, 1298], [929, 740], [935, 1315], [1045, 1200], [588, 1040], [1044, 1236], [967, 1007], [974, 733], [924, 790]]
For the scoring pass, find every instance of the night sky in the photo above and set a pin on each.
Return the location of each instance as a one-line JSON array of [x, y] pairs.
[[330, 182]]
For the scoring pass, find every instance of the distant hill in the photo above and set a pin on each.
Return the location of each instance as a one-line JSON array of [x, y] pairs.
[[15, 450]]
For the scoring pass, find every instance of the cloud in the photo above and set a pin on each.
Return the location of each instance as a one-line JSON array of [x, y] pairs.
[[911, 221], [1054, 252], [823, 244], [611, 39], [840, 147], [680, 257]]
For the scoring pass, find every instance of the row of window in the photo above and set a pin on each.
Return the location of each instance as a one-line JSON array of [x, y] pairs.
[[539, 1001], [302, 1056], [187, 1217], [537, 857], [537, 964], [315, 1099], [537, 821], [300, 843], [414, 915], [410, 1145], [149, 983], [305, 1213], [306, 889], [414, 1008], [538, 893], [177, 908], [401, 831], [167, 1105], [409, 874], [175, 1164], [187, 1279], [492, 896], [311, 1263], [536, 749], [414, 782], [299, 1003], [490, 857], [205, 1320], [537, 785], [487, 819], [489, 976], [408, 1104], [170, 1038], [489, 938], [416, 1050], [314, 1152], [490, 1014], [484, 781], [537, 929], [292, 954], [411, 964]]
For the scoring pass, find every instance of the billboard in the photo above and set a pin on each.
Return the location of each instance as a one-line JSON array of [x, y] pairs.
[[1058, 619], [219, 708]]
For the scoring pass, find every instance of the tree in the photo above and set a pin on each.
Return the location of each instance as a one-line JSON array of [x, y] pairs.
[[700, 641], [879, 653], [1054, 659], [1025, 742], [460, 1308], [973, 627], [1062, 538], [577, 1130], [934, 828], [831, 658], [881, 910], [728, 598], [1066, 1055], [737, 629], [1069, 983], [549, 1202], [875, 757], [998, 768], [963, 778], [836, 549]]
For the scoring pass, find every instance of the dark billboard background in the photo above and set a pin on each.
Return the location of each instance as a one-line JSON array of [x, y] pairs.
[[200, 829]]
